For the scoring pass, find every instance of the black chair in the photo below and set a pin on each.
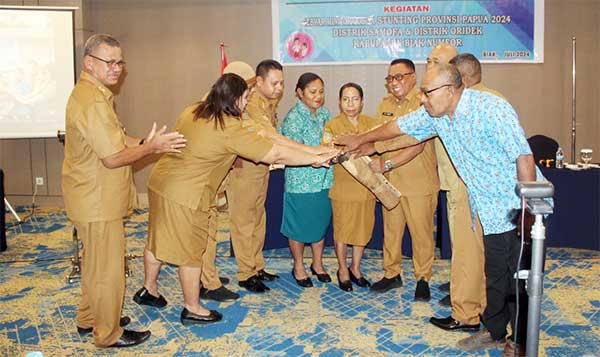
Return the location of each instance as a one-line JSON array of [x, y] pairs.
[[543, 148]]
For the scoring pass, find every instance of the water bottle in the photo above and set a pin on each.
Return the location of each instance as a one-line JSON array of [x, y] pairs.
[[560, 156]]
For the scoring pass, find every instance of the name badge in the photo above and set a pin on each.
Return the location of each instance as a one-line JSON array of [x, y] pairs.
[[388, 114]]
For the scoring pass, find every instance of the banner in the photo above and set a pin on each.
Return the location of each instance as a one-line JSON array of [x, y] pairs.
[[371, 31]]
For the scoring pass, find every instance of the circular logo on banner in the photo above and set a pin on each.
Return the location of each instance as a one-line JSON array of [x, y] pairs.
[[299, 46]]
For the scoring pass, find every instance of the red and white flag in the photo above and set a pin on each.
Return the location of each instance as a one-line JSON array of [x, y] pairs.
[[223, 57]]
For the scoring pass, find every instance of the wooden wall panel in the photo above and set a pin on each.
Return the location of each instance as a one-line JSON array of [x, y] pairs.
[[15, 160]]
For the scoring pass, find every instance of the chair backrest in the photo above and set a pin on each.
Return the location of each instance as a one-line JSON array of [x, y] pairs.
[[543, 148]]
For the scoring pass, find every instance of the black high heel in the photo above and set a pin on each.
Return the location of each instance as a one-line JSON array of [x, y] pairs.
[[345, 285], [322, 277], [362, 282], [305, 283]]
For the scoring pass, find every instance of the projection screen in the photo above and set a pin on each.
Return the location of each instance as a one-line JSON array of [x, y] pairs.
[[37, 70]]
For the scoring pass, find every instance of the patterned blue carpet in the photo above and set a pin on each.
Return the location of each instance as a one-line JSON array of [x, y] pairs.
[[37, 306]]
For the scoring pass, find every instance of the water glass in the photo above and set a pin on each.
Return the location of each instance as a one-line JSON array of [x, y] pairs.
[[586, 157]]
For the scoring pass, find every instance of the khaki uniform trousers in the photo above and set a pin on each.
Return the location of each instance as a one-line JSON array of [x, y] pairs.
[[210, 276], [246, 195], [102, 279], [416, 212], [467, 269]]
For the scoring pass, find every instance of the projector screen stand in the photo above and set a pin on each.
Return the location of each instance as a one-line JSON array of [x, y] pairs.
[[12, 210]]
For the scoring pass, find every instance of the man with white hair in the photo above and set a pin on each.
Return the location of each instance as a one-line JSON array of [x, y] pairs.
[[488, 148], [97, 184]]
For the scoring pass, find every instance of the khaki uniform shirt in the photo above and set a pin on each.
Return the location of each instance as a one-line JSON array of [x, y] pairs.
[[419, 175], [259, 114], [91, 191], [345, 186], [191, 178], [481, 87]]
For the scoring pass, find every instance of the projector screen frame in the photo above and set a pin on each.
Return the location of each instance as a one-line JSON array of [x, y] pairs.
[[71, 9]]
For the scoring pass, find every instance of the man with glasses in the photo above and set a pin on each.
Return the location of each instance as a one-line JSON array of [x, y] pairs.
[[413, 172], [98, 189], [467, 268], [487, 145]]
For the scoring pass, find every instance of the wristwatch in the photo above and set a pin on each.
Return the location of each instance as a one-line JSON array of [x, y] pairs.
[[387, 165]]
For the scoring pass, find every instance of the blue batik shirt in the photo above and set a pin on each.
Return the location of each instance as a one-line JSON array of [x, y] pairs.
[[302, 126], [484, 140]]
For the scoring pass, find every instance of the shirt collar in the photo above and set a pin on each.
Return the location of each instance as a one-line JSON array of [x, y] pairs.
[[304, 110], [84, 76], [478, 86], [264, 101], [413, 93]]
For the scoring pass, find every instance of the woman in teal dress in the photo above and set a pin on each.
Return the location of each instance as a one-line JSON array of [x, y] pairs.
[[306, 205]]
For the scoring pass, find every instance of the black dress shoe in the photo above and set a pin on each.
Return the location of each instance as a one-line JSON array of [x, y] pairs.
[[220, 294], [143, 297], [131, 338], [362, 282], [422, 292], [254, 284], [450, 324], [386, 284], [446, 301], [322, 277], [124, 321], [445, 287], [264, 276], [189, 318], [224, 280], [305, 283], [345, 285]]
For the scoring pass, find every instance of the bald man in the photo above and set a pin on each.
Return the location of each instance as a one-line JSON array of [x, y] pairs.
[[487, 145]]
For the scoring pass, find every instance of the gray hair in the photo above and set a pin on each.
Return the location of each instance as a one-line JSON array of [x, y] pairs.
[[450, 73], [96, 40]]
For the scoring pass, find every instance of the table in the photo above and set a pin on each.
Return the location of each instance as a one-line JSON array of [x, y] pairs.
[[576, 219], [574, 224], [274, 207]]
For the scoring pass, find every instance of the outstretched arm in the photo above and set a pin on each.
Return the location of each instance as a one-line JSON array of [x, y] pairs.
[[281, 154], [384, 132], [406, 155]]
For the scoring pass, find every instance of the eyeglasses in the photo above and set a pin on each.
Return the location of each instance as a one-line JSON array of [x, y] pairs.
[[111, 63], [398, 77], [428, 92]]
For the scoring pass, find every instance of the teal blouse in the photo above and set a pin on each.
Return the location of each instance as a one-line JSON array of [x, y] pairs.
[[302, 126]]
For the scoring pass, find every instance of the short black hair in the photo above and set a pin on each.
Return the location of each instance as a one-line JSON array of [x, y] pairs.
[[468, 62], [410, 64], [352, 85], [263, 68], [306, 78]]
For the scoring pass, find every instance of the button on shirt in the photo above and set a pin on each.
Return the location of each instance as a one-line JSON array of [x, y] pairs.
[[484, 140], [93, 192], [302, 126]]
